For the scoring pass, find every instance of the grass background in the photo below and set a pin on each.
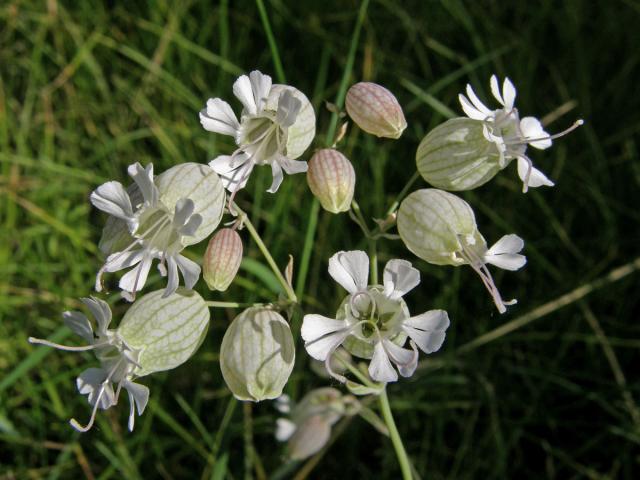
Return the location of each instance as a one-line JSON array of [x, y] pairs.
[[547, 390]]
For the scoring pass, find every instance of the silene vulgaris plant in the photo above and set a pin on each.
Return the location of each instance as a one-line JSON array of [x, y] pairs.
[[366, 340]]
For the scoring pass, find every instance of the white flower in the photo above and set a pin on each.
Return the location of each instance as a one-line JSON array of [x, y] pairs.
[[276, 126], [509, 132], [503, 254], [373, 322], [155, 334], [440, 227], [308, 426], [118, 363], [161, 217]]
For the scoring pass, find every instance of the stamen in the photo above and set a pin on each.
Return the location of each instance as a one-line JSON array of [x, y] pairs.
[[352, 304], [480, 268], [40, 341], [525, 140], [74, 423], [327, 360]]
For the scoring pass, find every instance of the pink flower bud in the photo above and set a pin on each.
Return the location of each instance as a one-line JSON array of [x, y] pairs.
[[222, 259], [332, 180], [375, 110]]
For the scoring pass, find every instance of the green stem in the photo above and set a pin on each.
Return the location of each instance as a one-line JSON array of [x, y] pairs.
[[277, 63], [401, 453], [357, 373], [359, 218], [308, 247], [402, 193], [267, 255], [248, 441], [373, 259]]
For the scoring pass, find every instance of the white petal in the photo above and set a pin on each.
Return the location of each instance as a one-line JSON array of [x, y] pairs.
[[140, 394], [90, 382], [315, 326], [508, 93], [260, 86], [536, 177], [293, 166], [218, 117], [532, 128], [191, 227], [190, 270], [321, 348], [481, 107], [172, 276], [504, 253], [427, 329], [406, 360], [138, 397], [350, 269], [507, 261], [469, 109], [507, 244], [100, 311], [184, 209], [276, 171], [380, 368], [495, 89], [322, 335], [284, 429], [79, 324], [112, 198], [288, 109], [233, 170], [243, 91], [119, 260], [144, 180], [134, 280], [399, 278]]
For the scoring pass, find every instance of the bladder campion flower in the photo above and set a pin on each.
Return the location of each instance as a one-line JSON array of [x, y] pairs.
[[462, 154], [307, 427], [222, 259], [156, 219], [373, 321], [276, 126], [375, 110], [257, 355], [440, 227], [332, 179], [157, 333]]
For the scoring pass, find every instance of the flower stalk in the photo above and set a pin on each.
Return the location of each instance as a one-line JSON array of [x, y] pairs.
[[401, 453], [244, 218]]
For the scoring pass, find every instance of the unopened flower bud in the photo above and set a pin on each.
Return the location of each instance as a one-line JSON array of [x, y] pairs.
[[375, 110], [456, 156], [257, 355], [332, 180], [222, 259]]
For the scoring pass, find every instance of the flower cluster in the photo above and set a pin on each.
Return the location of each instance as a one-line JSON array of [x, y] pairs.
[[156, 217]]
